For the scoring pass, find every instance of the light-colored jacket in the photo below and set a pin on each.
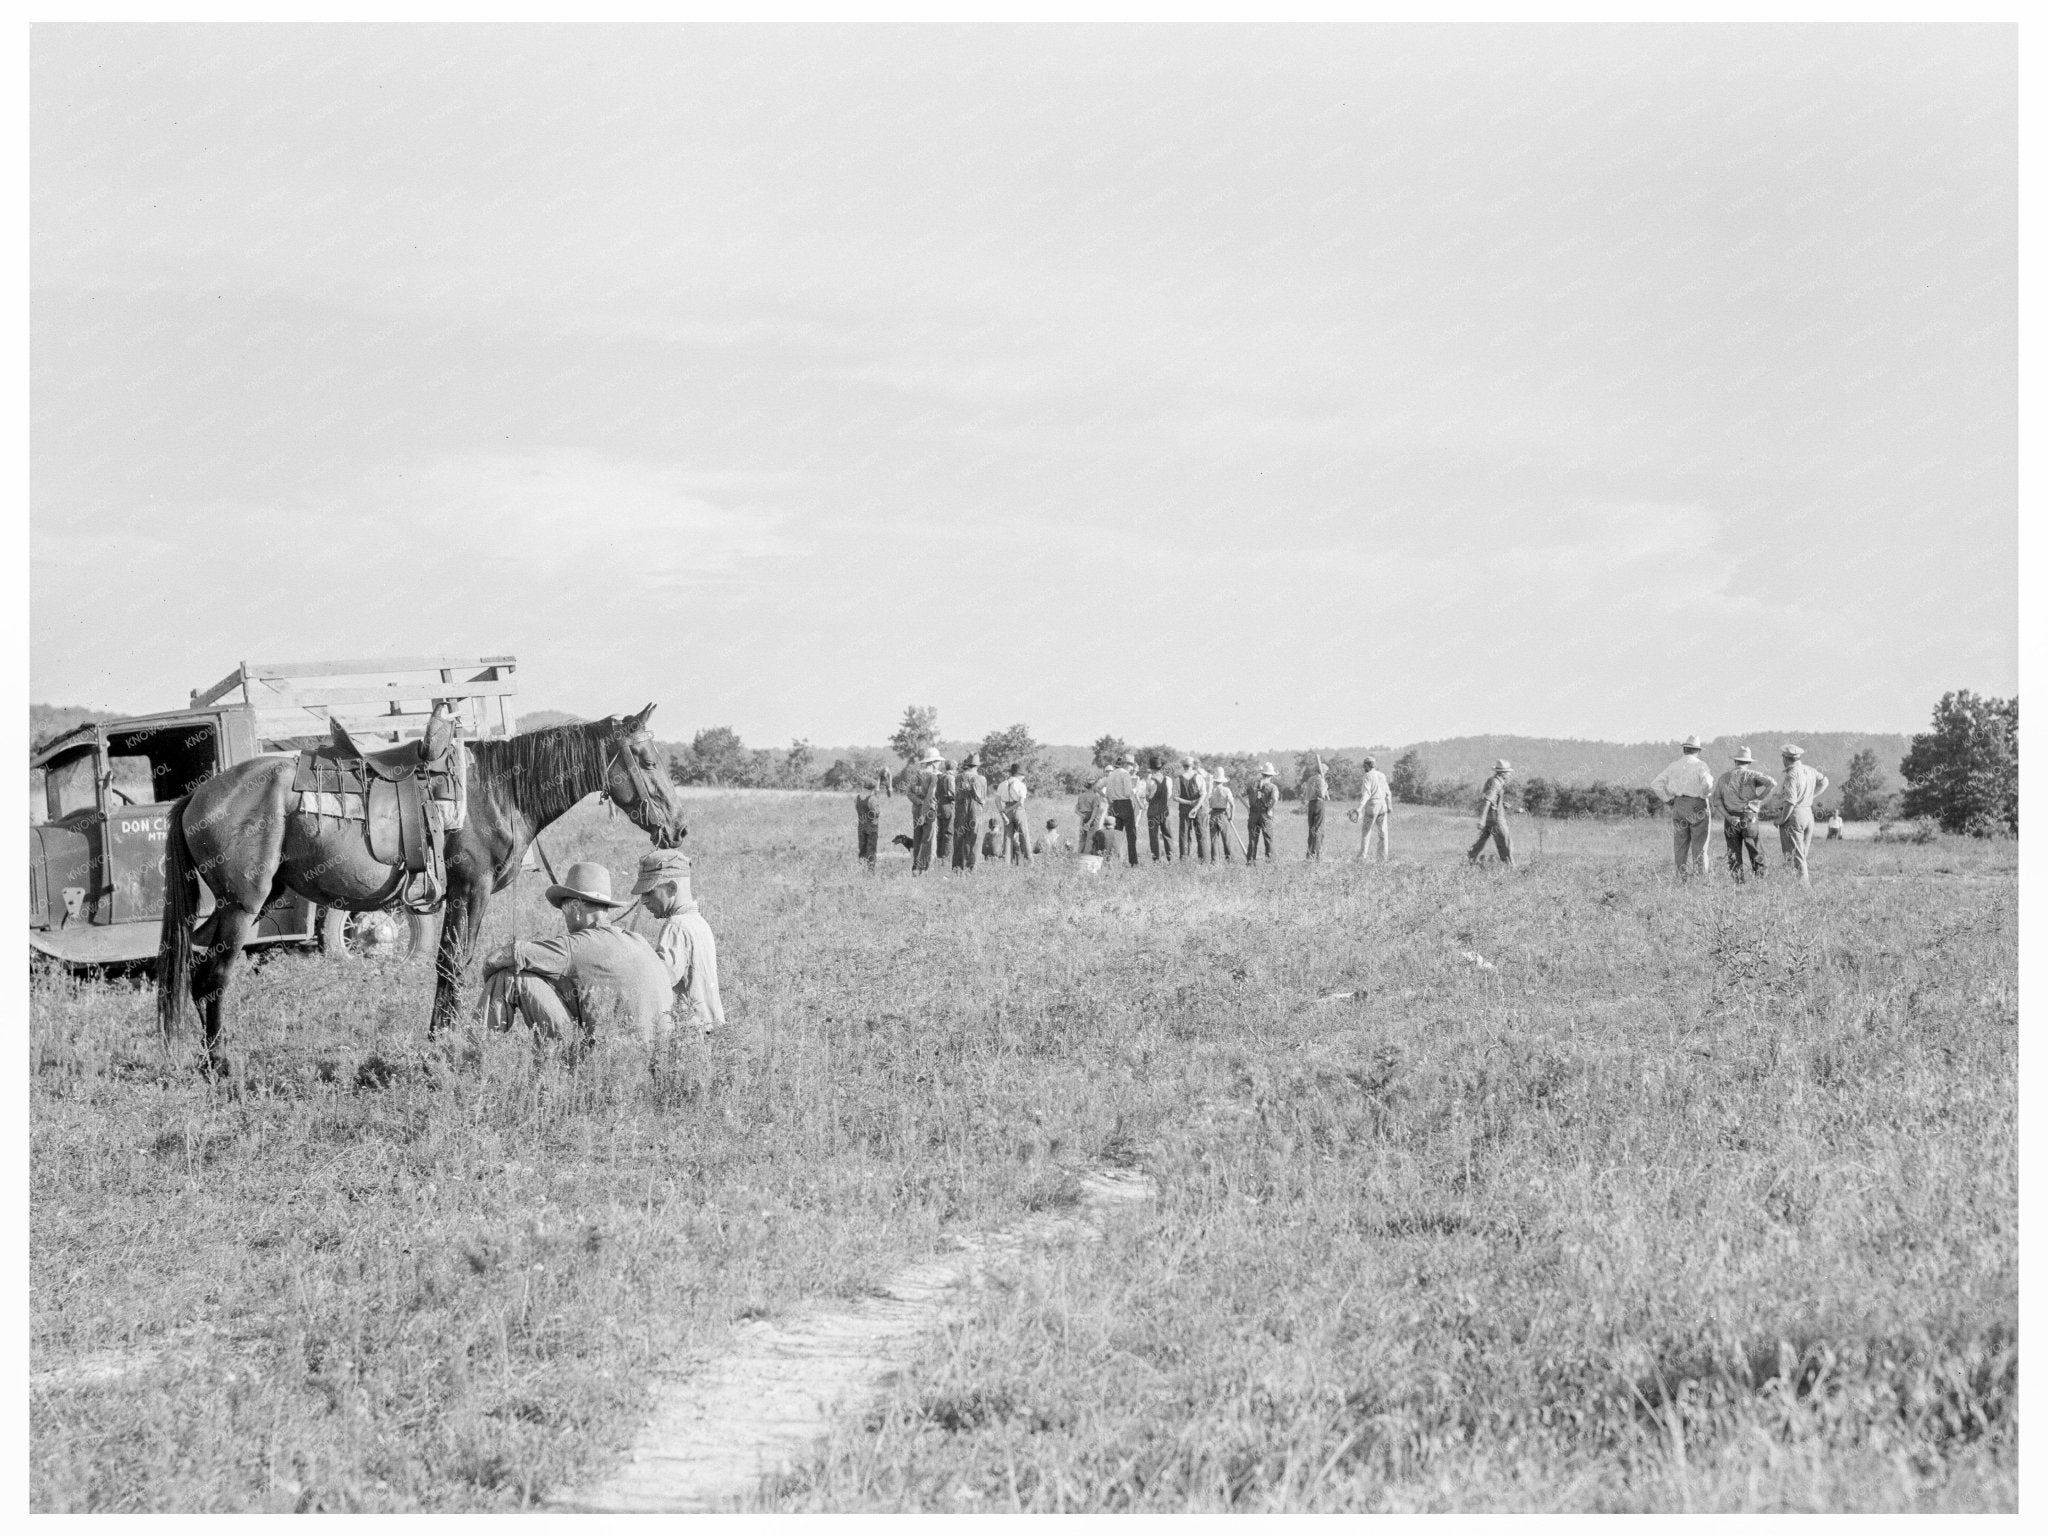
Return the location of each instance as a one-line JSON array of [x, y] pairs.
[[1794, 798], [683, 943]]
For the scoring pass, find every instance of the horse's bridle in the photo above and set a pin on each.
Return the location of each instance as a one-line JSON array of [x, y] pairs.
[[637, 769]]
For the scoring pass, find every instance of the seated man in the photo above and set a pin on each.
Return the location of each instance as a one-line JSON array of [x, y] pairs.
[[594, 974], [668, 919]]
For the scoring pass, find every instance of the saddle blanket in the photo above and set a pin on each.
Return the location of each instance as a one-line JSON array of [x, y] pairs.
[[327, 786]]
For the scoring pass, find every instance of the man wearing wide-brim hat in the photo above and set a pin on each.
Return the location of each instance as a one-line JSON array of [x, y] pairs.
[[923, 793], [1791, 807], [1493, 815], [1741, 792], [1687, 789], [1222, 813], [667, 918], [596, 976]]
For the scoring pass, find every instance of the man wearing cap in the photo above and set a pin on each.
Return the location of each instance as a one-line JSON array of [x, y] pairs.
[[1741, 792], [1375, 803], [1190, 793], [1222, 814], [1159, 793], [1121, 786], [595, 973], [1687, 787], [867, 817], [1261, 805], [922, 791], [1315, 790], [1010, 800], [1493, 815], [667, 918], [970, 793], [1791, 807]]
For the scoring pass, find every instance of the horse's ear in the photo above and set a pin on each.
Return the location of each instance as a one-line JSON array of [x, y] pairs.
[[640, 720]]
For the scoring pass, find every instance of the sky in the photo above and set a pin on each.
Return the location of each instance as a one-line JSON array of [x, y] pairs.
[[1234, 387]]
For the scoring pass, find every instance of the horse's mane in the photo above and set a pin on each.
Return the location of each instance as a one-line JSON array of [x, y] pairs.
[[547, 771]]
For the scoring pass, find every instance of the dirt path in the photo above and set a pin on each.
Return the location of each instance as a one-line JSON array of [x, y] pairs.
[[762, 1407]]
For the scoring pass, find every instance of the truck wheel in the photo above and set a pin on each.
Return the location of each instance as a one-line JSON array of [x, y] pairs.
[[377, 935]]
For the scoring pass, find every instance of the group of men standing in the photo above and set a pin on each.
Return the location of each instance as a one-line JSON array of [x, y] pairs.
[[1746, 798], [945, 813]]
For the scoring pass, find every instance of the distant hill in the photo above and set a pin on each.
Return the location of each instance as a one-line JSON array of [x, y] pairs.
[[1471, 758]]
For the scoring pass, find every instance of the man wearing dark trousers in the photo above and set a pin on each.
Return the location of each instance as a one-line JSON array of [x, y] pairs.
[[1191, 794], [922, 792], [970, 793], [867, 817], [1261, 805], [1159, 812], [943, 807], [1121, 788]]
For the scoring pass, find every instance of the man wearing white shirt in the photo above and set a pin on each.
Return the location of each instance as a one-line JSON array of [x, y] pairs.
[[1010, 799], [1742, 791], [1122, 788], [1686, 787], [1375, 800]]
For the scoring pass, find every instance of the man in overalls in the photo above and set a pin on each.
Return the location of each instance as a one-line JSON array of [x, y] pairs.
[[1261, 805], [1159, 813], [970, 793]]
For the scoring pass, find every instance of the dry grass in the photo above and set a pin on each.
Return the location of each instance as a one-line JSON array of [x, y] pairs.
[[1700, 1197]]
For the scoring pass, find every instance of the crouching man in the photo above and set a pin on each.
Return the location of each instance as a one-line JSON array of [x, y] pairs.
[[668, 920], [595, 973]]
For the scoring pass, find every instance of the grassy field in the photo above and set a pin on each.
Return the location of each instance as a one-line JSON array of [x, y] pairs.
[[1597, 1193]]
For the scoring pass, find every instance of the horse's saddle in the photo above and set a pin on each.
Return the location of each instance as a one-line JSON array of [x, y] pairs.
[[407, 796]]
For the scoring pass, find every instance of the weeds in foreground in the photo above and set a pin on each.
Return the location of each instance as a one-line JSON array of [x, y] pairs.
[[1688, 1197]]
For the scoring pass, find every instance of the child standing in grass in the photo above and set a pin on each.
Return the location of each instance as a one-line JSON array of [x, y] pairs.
[[988, 840]]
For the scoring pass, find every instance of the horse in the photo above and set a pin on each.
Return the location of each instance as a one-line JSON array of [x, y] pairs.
[[239, 833]]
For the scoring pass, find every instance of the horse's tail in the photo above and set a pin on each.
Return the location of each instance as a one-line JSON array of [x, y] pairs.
[[174, 939]]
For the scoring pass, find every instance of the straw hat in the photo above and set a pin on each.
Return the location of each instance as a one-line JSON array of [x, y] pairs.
[[585, 882], [1502, 765], [1222, 775], [1267, 771], [1690, 744], [1130, 759], [661, 865], [1742, 755], [931, 755], [1790, 751]]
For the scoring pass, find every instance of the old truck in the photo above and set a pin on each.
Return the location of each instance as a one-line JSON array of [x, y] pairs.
[[96, 851]]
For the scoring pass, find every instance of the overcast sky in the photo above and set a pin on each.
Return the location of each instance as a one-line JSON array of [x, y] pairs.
[[1234, 387]]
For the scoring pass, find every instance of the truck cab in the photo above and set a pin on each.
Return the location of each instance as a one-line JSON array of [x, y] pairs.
[[96, 860]]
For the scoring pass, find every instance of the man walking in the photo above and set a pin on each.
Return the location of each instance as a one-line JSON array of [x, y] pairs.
[[1315, 789], [1122, 789], [1261, 805], [1375, 801], [922, 791], [1159, 812], [1010, 800], [1222, 813], [867, 817], [1741, 792], [1493, 815], [1190, 795], [1687, 787], [1793, 808], [970, 793]]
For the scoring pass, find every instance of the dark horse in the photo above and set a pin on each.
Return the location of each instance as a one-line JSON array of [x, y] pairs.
[[239, 833]]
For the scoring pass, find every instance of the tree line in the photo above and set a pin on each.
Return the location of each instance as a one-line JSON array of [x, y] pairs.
[[1963, 774]]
